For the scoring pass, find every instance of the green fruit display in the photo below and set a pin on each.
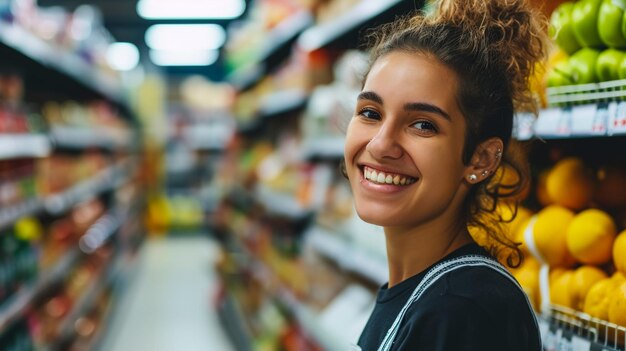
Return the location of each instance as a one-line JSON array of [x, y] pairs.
[[583, 66], [585, 22], [608, 64], [560, 75], [610, 24], [561, 28]]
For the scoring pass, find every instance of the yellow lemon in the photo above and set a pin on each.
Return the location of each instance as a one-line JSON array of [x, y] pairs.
[[560, 293], [619, 252], [598, 299], [541, 192], [549, 233], [570, 184], [590, 236], [617, 306], [582, 280]]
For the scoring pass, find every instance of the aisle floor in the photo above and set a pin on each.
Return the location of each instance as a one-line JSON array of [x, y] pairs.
[[168, 302]]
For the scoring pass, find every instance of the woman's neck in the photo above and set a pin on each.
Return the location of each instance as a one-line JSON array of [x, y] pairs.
[[410, 251]]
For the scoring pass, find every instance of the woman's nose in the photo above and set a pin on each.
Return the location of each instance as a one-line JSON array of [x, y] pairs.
[[385, 144]]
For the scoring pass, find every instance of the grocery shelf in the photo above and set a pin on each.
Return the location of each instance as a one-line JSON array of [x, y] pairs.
[[99, 233], [274, 50], [281, 204], [22, 300], [69, 65], [303, 314], [346, 27], [324, 147], [10, 214], [282, 102], [24, 145], [348, 256], [83, 138], [582, 332], [85, 303], [106, 180]]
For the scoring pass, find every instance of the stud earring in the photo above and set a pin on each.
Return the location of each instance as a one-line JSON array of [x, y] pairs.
[[485, 173], [498, 153], [472, 177]]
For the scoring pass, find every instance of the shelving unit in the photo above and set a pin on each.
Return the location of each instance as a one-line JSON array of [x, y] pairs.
[[15, 307], [58, 62], [85, 138], [24, 146]]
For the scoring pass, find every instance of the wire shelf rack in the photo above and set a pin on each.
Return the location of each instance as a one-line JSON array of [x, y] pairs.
[[569, 95], [600, 333]]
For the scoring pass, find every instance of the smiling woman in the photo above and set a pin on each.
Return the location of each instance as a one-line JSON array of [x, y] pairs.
[[431, 128]]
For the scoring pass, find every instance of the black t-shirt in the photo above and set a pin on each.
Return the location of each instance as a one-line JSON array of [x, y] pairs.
[[469, 309]]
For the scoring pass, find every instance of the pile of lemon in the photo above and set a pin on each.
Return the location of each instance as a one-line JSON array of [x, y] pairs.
[[576, 234]]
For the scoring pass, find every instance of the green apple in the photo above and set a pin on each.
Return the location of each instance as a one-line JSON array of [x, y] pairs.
[[585, 22], [622, 69], [610, 24], [560, 75], [607, 66], [561, 28], [583, 66]]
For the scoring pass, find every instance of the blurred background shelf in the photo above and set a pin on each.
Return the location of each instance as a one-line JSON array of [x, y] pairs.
[[24, 146]]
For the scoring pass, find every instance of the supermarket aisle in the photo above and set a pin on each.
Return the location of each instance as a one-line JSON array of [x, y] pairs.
[[168, 302]]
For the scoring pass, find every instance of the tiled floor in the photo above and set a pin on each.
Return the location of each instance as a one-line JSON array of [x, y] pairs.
[[168, 304]]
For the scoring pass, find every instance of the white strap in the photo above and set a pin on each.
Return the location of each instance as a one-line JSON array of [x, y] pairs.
[[437, 272]]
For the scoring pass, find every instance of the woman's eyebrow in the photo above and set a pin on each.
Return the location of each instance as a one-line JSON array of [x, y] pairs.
[[370, 95], [426, 107]]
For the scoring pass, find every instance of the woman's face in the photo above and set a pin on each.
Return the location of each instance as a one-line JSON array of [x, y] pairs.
[[404, 144]]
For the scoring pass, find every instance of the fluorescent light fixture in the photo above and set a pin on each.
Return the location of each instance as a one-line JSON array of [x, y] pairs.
[[190, 9], [185, 37], [122, 56], [184, 58]]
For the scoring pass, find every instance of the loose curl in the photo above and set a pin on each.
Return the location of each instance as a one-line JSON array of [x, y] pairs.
[[493, 47]]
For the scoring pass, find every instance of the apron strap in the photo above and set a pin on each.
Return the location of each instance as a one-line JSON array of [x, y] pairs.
[[437, 272]]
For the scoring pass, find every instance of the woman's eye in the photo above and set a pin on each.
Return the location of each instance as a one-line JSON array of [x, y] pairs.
[[425, 125], [369, 114]]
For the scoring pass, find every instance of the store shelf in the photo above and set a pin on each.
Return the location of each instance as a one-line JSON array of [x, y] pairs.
[[85, 303], [106, 180], [330, 147], [101, 231], [280, 204], [282, 102], [84, 138], [21, 302], [10, 214], [346, 27], [24, 145], [304, 315], [582, 121], [347, 255], [274, 50], [69, 65]]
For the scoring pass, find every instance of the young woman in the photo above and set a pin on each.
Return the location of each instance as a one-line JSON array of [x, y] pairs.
[[431, 127]]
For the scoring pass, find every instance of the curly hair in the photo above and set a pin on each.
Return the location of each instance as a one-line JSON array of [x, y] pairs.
[[493, 46]]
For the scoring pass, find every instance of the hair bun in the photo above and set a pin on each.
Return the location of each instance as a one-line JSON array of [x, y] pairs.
[[509, 32]]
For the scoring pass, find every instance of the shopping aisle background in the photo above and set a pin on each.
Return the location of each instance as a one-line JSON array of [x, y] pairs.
[[169, 303]]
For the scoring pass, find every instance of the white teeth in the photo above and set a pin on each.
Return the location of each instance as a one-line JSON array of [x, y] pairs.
[[383, 178]]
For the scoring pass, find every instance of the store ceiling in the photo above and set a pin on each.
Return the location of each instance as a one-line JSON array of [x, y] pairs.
[[121, 19]]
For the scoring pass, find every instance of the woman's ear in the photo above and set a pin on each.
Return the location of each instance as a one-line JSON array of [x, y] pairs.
[[485, 160]]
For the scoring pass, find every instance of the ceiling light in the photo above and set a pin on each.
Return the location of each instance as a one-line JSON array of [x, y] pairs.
[[185, 37], [190, 9], [184, 58], [122, 56]]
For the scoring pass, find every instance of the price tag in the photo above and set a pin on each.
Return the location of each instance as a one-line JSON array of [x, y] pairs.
[[523, 127], [553, 122], [583, 119], [580, 344], [617, 119]]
